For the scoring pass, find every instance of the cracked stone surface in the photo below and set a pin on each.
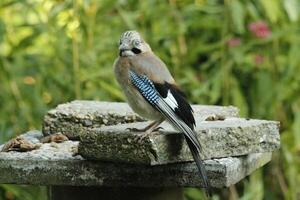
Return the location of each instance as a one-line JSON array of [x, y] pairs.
[[71, 118], [219, 139], [55, 164]]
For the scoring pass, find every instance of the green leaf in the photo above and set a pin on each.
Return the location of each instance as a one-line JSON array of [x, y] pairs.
[[272, 9], [238, 98], [2, 30], [292, 9], [237, 12]]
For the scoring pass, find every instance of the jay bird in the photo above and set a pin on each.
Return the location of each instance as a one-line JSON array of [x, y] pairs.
[[152, 93]]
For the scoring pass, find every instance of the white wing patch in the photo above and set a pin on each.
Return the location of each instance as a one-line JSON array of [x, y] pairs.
[[171, 101]]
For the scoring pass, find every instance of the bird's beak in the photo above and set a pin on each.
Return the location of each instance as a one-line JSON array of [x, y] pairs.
[[121, 52], [123, 48]]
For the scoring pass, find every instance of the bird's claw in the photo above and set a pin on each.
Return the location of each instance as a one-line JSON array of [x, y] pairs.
[[135, 129], [147, 134], [157, 129]]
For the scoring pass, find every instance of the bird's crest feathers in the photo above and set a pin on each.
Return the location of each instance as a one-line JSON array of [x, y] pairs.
[[131, 35]]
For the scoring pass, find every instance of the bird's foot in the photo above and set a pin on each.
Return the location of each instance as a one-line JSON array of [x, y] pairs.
[[157, 129], [136, 129], [150, 128], [149, 133]]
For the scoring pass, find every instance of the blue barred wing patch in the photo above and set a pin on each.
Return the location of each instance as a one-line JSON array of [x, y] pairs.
[[145, 86]]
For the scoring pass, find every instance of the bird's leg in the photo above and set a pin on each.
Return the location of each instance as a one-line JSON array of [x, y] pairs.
[[148, 129], [153, 126], [151, 129]]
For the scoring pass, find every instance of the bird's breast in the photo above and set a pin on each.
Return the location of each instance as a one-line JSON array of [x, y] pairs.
[[135, 100]]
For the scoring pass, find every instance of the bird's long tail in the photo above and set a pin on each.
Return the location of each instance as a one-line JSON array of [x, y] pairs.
[[200, 166], [191, 139]]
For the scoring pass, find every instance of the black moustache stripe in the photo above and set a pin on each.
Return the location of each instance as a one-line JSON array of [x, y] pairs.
[[136, 50]]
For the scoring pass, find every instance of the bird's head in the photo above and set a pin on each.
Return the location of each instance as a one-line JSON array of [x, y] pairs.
[[132, 44]]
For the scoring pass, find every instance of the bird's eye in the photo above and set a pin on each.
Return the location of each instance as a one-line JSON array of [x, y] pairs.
[[136, 43]]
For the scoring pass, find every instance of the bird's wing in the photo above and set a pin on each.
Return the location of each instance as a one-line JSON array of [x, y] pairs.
[[177, 100], [170, 101], [150, 65]]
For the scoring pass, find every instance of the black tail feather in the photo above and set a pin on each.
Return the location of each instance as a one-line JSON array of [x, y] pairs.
[[200, 166]]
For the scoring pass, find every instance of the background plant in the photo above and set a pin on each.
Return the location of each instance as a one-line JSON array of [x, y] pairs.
[[231, 52]]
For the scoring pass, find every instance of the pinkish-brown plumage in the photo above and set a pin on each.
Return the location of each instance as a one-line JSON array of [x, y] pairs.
[[152, 92]]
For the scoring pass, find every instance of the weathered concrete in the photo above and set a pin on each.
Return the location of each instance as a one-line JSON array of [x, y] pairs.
[[70, 118], [55, 164], [230, 137]]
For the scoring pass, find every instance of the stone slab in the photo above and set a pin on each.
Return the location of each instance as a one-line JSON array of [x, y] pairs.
[[219, 139], [57, 164], [70, 118]]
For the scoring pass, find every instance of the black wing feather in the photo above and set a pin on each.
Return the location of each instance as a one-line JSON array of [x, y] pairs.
[[184, 110]]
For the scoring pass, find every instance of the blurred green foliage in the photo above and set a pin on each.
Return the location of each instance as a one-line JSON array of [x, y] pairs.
[[231, 52]]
